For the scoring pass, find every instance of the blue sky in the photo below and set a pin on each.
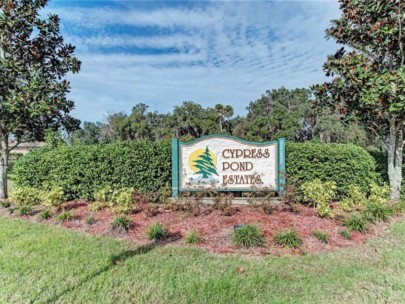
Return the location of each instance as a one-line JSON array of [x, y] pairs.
[[165, 52]]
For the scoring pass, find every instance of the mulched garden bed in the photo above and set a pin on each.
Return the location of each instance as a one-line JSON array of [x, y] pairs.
[[217, 229]]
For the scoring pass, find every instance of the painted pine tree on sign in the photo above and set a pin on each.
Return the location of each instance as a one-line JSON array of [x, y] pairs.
[[205, 164]]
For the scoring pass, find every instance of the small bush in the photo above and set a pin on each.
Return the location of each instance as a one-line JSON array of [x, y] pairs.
[[288, 238], [45, 215], [345, 234], [122, 201], [192, 237], [97, 206], [379, 195], [25, 210], [355, 222], [268, 208], [321, 236], [25, 196], [90, 220], [52, 198], [103, 195], [377, 213], [66, 215], [320, 194], [121, 224], [5, 204], [248, 236], [157, 231], [355, 199], [223, 203]]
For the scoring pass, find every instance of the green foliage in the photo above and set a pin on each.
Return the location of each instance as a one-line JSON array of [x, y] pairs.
[[248, 236], [379, 195], [157, 231], [342, 164], [321, 236], [65, 215], [355, 222], [355, 199], [345, 234], [103, 195], [288, 238], [377, 213], [192, 237], [45, 215], [97, 206], [34, 61], [82, 170], [25, 196], [53, 197], [121, 224], [5, 204], [25, 210], [122, 200], [320, 194], [90, 220]]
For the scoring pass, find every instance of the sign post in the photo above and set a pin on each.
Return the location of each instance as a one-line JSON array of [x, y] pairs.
[[227, 163]]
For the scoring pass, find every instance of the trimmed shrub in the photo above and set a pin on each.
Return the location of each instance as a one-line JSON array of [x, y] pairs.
[[288, 238], [157, 231], [340, 163], [82, 169], [248, 236]]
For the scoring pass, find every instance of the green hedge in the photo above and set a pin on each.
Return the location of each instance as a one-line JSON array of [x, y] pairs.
[[344, 164], [82, 169]]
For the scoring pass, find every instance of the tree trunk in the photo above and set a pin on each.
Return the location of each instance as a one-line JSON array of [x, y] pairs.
[[3, 167], [395, 150]]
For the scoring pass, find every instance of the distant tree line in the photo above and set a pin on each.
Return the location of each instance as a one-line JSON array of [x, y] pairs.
[[277, 113]]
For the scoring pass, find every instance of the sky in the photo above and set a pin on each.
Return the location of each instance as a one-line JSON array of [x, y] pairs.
[[165, 52]]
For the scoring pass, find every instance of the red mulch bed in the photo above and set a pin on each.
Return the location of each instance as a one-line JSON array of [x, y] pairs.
[[217, 229]]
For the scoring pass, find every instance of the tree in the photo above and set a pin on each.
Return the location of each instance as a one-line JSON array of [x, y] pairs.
[[205, 164], [279, 113], [33, 63], [369, 83]]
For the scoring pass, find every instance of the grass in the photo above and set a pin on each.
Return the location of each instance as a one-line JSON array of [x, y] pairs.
[[355, 222], [321, 236], [248, 236], [49, 264], [192, 237], [288, 238], [156, 231]]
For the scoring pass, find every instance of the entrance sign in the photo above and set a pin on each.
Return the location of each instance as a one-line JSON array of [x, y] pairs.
[[227, 163]]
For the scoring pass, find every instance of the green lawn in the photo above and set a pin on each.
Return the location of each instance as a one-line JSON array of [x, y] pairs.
[[48, 264]]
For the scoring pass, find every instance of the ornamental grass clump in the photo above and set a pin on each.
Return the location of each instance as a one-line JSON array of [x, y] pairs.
[[25, 210], [156, 232], [345, 234], [192, 237], [321, 236], [320, 194], [248, 236], [65, 215], [288, 238], [45, 215], [355, 222], [121, 224]]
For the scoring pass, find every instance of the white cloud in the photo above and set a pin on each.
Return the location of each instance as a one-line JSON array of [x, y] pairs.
[[224, 52]]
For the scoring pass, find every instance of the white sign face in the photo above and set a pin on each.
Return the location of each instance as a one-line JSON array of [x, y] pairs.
[[229, 164]]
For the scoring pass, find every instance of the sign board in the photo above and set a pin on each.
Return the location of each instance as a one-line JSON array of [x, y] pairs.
[[227, 163]]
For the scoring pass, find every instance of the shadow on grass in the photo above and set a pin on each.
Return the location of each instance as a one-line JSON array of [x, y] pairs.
[[114, 260]]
